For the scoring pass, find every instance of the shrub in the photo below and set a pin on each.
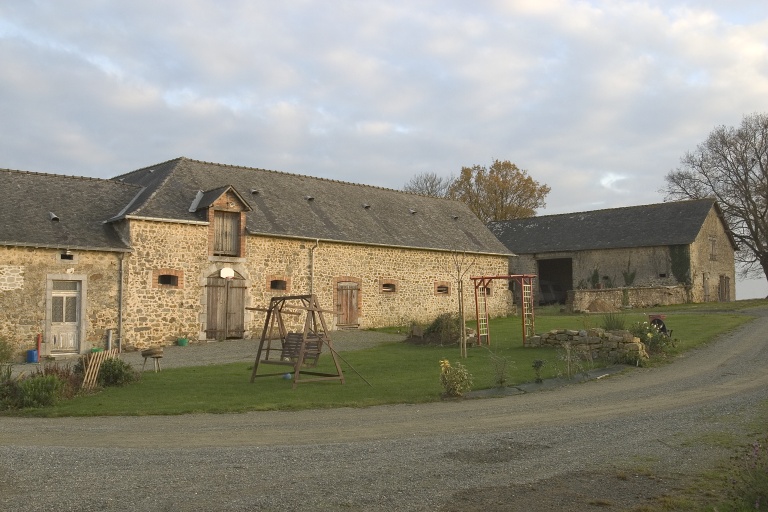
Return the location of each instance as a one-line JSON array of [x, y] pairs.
[[6, 351], [444, 330], [501, 366], [33, 391], [116, 372], [70, 380], [655, 340], [614, 322], [749, 477], [454, 379]]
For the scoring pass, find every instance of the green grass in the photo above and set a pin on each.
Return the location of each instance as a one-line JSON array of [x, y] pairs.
[[397, 372]]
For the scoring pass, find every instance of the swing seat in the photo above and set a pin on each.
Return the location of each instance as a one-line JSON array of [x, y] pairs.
[[292, 345]]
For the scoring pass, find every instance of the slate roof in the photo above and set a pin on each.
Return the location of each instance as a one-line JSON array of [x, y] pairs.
[[81, 206], [294, 205], [673, 223]]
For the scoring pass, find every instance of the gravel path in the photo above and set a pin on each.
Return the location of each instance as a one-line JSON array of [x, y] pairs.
[[612, 444]]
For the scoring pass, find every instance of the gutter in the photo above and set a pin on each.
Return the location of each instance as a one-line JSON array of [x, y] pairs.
[[312, 267]]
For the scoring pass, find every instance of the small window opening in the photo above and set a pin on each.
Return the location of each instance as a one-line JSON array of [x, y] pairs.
[[389, 288], [168, 280], [442, 289], [278, 284], [662, 275], [66, 255]]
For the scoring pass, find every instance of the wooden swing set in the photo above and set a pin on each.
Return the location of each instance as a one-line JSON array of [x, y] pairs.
[[299, 350]]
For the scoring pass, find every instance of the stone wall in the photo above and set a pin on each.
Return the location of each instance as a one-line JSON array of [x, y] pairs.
[[612, 346], [24, 273], [618, 298], [396, 285]]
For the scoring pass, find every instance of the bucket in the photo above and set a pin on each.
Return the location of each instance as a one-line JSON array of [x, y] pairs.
[[31, 356], [182, 342]]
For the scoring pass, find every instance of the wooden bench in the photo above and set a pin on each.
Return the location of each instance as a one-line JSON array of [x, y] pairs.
[[292, 345]]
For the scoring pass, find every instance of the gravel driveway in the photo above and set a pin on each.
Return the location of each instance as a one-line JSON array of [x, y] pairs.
[[607, 444]]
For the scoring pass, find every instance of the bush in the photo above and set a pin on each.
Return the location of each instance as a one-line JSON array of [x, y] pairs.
[[116, 372], [749, 477], [614, 322], [6, 351], [655, 340], [444, 330], [454, 379], [34, 391]]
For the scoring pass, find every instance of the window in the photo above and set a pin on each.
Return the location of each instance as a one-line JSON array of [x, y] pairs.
[[278, 284], [713, 248], [168, 280], [226, 233], [388, 286], [442, 288]]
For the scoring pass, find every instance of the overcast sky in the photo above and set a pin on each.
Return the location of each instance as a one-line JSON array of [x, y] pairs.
[[597, 99]]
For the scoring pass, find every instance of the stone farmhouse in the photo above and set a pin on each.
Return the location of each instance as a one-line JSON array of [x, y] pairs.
[[647, 255], [192, 249]]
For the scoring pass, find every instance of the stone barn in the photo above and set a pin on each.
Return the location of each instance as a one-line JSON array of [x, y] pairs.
[[190, 249], [646, 255]]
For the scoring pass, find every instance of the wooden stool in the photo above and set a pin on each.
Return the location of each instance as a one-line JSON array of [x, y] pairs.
[[156, 353]]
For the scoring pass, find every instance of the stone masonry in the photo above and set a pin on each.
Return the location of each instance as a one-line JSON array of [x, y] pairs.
[[614, 346]]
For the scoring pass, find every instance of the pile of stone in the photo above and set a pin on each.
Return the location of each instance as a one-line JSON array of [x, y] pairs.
[[611, 346]]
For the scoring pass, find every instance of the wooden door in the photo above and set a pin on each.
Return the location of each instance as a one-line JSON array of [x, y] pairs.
[[347, 294], [225, 317], [65, 316]]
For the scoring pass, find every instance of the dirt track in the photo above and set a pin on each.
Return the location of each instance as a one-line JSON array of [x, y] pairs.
[[616, 442]]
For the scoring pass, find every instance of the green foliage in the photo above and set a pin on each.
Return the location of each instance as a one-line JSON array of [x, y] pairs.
[[537, 365], [656, 342], [748, 477], [45, 387], [501, 366], [116, 372], [6, 351], [594, 279], [614, 322], [444, 330], [629, 276], [455, 379], [681, 263], [34, 391]]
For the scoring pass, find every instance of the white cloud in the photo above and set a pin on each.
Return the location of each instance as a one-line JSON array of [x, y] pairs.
[[375, 92]]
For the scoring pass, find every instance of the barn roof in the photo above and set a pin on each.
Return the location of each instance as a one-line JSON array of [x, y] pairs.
[[294, 205], [50, 210], [672, 223]]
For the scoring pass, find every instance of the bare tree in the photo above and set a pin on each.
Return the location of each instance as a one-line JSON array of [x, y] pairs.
[[731, 165], [429, 184]]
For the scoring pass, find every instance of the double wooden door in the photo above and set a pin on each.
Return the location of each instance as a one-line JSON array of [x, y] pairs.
[[225, 317]]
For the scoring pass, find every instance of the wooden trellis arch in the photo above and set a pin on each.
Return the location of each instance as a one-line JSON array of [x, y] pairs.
[[299, 350], [481, 305]]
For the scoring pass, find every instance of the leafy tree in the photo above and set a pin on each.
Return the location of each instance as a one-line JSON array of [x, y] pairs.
[[500, 192], [429, 184], [731, 165]]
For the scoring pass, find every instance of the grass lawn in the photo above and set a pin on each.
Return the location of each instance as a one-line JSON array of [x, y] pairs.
[[397, 372]]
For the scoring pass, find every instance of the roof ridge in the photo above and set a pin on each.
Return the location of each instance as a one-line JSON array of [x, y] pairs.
[[65, 176], [286, 173], [117, 177], [611, 209]]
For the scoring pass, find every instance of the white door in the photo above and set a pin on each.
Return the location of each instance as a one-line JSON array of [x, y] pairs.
[[65, 316]]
